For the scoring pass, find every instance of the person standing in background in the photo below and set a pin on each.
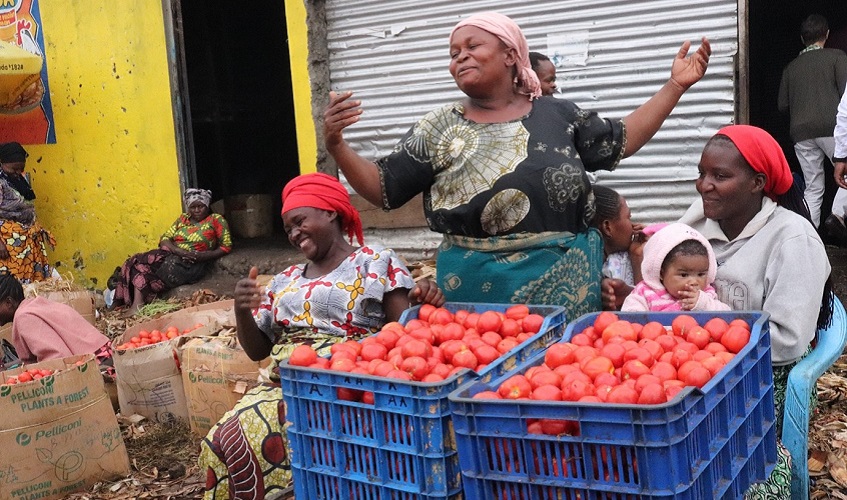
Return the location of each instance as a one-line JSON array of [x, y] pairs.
[[835, 222], [811, 86]]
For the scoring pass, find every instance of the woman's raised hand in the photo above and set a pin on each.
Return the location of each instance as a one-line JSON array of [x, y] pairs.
[[340, 114], [688, 70], [248, 293]]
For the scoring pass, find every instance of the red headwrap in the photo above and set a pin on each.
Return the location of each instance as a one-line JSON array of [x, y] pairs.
[[764, 154], [326, 193]]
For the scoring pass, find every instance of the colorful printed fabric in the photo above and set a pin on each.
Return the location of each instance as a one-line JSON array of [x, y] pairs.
[[208, 234], [27, 247], [139, 272], [549, 268], [249, 442], [489, 179], [347, 301]]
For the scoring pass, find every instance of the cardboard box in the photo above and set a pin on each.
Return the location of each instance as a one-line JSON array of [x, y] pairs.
[[149, 381], [250, 215], [58, 434], [216, 372]]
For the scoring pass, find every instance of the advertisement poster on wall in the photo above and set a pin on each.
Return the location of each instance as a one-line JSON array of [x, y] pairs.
[[26, 113]]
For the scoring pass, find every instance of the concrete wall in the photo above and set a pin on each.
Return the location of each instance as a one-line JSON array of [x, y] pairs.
[[110, 185]]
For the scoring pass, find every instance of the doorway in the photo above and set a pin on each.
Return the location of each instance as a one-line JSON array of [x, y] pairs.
[[774, 41], [238, 102]]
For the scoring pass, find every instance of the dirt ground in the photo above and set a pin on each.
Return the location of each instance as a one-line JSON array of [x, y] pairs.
[[163, 458]]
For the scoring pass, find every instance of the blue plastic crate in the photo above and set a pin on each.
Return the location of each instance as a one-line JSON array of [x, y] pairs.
[[709, 443], [403, 445]]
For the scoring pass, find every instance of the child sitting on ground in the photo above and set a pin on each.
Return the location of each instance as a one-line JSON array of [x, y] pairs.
[[678, 270]]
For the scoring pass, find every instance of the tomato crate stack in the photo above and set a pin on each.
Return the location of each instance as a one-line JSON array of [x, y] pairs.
[[703, 443], [401, 446]]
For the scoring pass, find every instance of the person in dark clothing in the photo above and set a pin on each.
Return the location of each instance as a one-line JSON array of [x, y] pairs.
[[811, 87]]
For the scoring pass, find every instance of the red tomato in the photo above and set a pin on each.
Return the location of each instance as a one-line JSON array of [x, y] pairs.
[[415, 366], [374, 351], [714, 364], [673, 387], [651, 331], [735, 339], [583, 352], [593, 367], [559, 354], [620, 328], [532, 323], [510, 328], [652, 394], [715, 347], [547, 393], [517, 312], [302, 355], [664, 371], [368, 397], [342, 365], [452, 331], [425, 312], [460, 316], [682, 371], [382, 369], [489, 321], [740, 322], [697, 376], [581, 339], [24, 377], [471, 320], [432, 377], [603, 320], [667, 342], [645, 380], [641, 354], [701, 355], [544, 377], [507, 344], [615, 352], [398, 374], [485, 354], [574, 388], [487, 395], [622, 394], [698, 336], [491, 338], [425, 334], [633, 369], [682, 323], [465, 359], [441, 316], [347, 394], [716, 328], [416, 347], [514, 387], [388, 338]]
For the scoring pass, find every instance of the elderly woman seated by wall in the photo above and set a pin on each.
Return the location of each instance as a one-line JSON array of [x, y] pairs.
[[195, 239]]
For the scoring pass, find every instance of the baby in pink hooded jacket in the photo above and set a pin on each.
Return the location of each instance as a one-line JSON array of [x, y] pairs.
[[678, 271]]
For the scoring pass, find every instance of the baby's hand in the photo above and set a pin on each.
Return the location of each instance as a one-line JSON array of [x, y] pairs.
[[688, 298]]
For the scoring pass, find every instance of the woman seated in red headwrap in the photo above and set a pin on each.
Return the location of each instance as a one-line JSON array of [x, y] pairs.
[[341, 292], [769, 255]]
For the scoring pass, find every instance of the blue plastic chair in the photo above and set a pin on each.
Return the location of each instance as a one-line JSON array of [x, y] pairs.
[[801, 380]]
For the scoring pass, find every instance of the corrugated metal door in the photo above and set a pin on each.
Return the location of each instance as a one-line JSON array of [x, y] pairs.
[[616, 53]]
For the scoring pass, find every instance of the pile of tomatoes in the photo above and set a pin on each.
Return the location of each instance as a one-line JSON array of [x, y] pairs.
[[144, 338], [34, 374], [430, 348], [617, 361]]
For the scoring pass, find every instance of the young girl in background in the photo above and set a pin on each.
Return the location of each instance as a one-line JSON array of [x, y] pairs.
[[622, 240]]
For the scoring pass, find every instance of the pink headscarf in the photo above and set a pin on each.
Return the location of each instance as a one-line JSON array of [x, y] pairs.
[[509, 33]]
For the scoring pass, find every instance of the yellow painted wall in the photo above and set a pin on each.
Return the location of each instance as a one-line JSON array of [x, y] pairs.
[[295, 19], [110, 185]]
